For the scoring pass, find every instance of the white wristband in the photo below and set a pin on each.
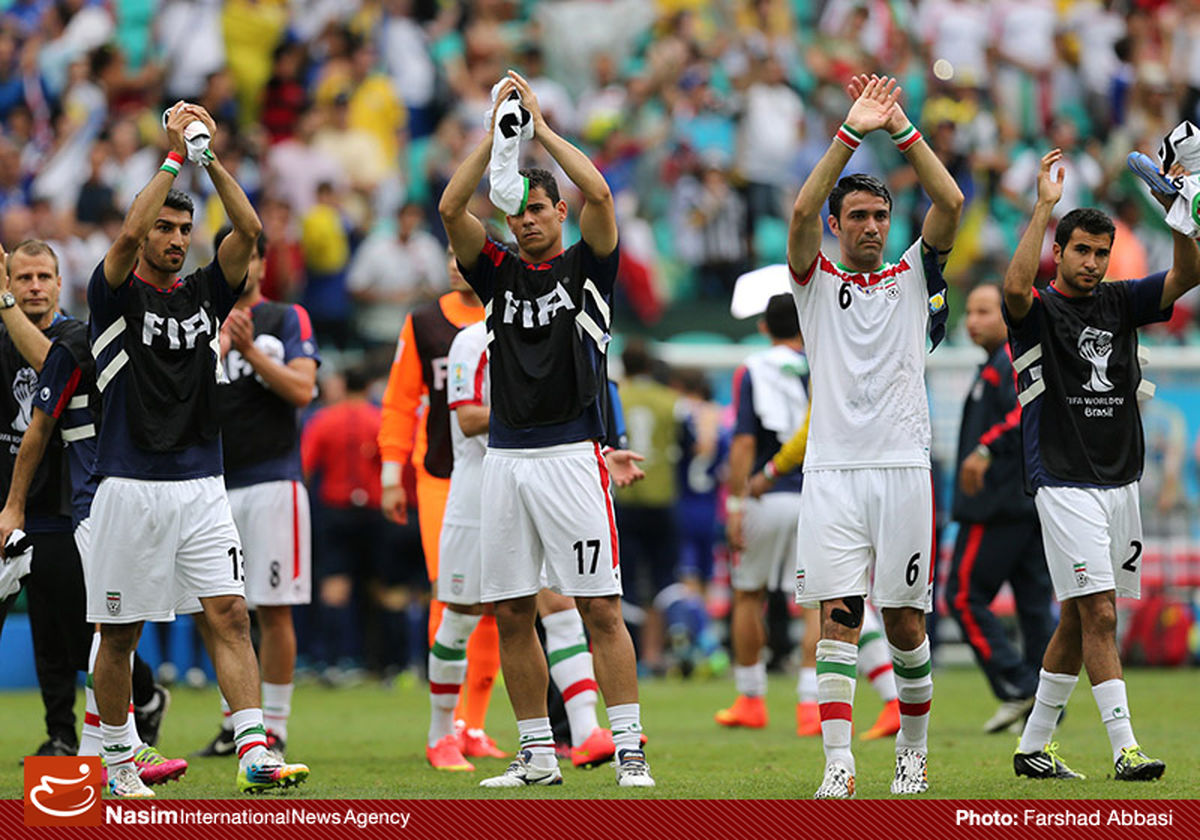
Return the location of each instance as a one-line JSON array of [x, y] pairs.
[[734, 504], [389, 475]]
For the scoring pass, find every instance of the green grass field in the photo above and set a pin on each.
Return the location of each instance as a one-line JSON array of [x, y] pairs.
[[367, 742]]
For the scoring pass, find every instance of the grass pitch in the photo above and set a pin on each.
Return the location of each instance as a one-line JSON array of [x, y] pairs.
[[368, 742]]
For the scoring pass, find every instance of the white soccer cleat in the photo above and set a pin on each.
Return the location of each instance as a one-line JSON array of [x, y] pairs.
[[911, 772], [838, 782], [522, 774], [632, 769], [126, 783]]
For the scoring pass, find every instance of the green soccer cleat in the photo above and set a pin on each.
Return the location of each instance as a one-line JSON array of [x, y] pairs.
[[270, 773], [1135, 766]]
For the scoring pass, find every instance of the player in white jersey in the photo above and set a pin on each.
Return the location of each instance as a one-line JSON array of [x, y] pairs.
[[459, 579], [867, 505]]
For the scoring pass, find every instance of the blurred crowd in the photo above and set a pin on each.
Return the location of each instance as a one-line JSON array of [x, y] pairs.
[[344, 119]]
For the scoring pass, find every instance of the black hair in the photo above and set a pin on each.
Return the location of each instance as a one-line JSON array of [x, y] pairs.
[[780, 317], [694, 381], [636, 357], [357, 379], [857, 183], [1089, 220], [179, 200], [545, 179], [260, 245]]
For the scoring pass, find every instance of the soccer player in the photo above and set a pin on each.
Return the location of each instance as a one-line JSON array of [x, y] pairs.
[[64, 405], [545, 484], [999, 538], [1074, 346], [418, 376], [54, 587], [162, 525], [271, 366], [867, 506], [771, 391]]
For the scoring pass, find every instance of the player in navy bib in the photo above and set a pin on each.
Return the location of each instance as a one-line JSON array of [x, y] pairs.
[[547, 504], [1074, 347]]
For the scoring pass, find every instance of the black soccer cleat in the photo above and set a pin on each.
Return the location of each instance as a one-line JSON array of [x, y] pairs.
[[149, 723], [1135, 766], [1043, 764], [223, 744]]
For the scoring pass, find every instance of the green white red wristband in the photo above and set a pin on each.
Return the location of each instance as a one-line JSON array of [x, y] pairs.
[[905, 138], [770, 471], [848, 137], [173, 163]]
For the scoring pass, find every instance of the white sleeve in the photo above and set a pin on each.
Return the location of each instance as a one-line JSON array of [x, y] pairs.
[[466, 362]]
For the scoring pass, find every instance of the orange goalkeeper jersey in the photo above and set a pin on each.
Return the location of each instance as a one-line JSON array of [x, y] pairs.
[[418, 380]]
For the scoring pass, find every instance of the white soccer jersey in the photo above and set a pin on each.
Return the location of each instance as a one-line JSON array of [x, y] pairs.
[[865, 336], [467, 384]]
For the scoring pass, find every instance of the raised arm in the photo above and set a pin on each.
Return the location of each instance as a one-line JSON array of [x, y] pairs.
[[1184, 273], [234, 253], [871, 110], [597, 218], [1022, 270], [466, 233], [30, 342], [122, 255], [33, 446], [941, 220]]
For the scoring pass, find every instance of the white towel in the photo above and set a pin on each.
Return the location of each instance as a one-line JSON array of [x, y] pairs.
[[1182, 146], [13, 567], [780, 397], [508, 188], [1183, 216]]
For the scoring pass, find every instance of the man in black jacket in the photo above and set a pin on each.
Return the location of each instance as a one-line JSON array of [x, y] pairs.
[[999, 538]]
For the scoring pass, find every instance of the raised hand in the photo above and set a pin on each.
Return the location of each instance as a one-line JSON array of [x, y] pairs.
[[899, 120], [874, 107], [1050, 189], [179, 117], [528, 99]]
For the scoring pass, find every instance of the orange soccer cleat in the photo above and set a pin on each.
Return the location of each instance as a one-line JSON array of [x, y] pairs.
[[808, 719], [886, 725], [750, 712], [475, 743], [597, 749], [445, 755]]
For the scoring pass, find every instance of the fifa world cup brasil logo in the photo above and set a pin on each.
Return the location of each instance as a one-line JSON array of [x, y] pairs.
[[1096, 346]]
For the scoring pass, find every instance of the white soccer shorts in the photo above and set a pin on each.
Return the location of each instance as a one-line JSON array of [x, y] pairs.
[[1093, 539], [153, 539], [769, 530], [272, 519], [866, 532], [549, 507]]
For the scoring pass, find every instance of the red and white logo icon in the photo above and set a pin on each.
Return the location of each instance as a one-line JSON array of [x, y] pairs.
[[62, 790]]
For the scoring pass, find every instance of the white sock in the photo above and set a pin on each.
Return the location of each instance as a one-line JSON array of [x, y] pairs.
[[875, 657], [751, 680], [1114, 711], [835, 694], [117, 748], [626, 722], [226, 714], [90, 739], [447, 670], [572, 671], [277, 706], [1053, 692], [913, 672], [537, 737], [250, 735], [806, 685]]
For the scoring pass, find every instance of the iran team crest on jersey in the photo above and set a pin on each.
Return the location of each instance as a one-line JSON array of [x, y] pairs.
[[113, 599], [456, 584], [1081, 577], [800, 581]]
